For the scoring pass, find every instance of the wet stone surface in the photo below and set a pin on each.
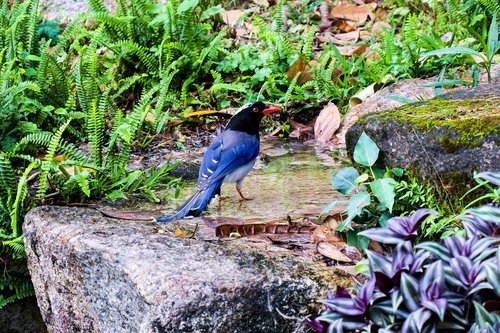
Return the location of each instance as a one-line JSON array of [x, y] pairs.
[[289, 179], [97, 274]]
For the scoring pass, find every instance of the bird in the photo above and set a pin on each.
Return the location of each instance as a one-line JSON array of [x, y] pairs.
[[228, 159]]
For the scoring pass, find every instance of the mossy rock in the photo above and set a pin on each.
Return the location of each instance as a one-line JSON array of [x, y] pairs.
[[442, 140]]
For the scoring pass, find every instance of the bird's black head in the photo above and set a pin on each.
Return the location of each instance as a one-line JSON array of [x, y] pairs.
[[248, 117]]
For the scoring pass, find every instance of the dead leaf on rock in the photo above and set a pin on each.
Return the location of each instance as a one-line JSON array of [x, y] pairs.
[[332, 251], [182, 233], [361, 96], [357, 14], [327, 123], [327, 232], [128, 215], [351, 270]]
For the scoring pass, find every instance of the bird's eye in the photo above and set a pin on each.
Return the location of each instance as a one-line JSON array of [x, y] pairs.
[[255, 110]]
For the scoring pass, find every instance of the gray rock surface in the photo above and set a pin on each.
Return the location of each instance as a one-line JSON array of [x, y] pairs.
[[412, 89], [95, 274], [442, 140]]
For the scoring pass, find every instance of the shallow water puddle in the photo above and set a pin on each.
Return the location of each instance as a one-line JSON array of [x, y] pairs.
[[290, 179]]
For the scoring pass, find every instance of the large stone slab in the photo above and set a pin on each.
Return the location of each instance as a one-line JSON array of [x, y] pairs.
[[96, 274], [442, 140]]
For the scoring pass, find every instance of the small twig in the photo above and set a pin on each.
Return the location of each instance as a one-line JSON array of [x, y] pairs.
[[287, 316], [33, 176], [51, 195]]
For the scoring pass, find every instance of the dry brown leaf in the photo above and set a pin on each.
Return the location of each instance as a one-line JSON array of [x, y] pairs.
[[327, 123], [327, 232], [59, 158], [340, 39], [357, 14], [344, 26], [361, 96], [301, 131], [332, 251], [231, 16], [301, 65], [352, 50], [324, 12], [150, 117], [263, 3], [351, 270], [380, 27], [181, 233], [127, 215]]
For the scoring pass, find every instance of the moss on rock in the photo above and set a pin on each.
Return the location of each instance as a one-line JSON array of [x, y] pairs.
[[440, 140], [468, 121]]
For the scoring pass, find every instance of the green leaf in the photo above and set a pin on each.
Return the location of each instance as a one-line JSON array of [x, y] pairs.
[[211, 11], [483, 317], [397, 171], [328, 207], [437, 89], [186, 5], [355, 206], [361, 179], [116, 194], [383, 189], [362, 267], [453, 50], [399, 99], [493, 38], [83, 182], [344, 180], [366, 151], [124, 131], [447, 83]]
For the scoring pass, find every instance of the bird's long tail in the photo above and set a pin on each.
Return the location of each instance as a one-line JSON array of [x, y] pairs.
[[195, 205]]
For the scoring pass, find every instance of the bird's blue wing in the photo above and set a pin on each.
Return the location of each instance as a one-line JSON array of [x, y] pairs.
[[230, 150]]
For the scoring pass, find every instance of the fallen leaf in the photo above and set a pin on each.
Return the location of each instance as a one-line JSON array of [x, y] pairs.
[[327, 232], [301, 65], [324, 12], [225, 230], [380, 27], [59, 158], [263, 3], [181, 233], [361, 96], [352, 50], [301, 131], [351, 270], [231, 16], [357, 14], [128, 215], [73, 170], [344, 26], [340, 39], [150, 117], [332, 251], [327, 123]]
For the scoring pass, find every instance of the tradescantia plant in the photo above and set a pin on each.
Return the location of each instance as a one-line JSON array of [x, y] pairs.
[[430, 287]]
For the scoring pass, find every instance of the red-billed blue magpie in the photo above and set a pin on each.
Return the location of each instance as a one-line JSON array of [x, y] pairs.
[[229, 158]]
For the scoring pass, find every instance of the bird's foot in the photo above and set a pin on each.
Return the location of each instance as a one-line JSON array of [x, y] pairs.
[[245, 199]]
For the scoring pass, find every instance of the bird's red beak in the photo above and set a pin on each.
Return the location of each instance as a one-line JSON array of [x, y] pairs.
[[271, 109]]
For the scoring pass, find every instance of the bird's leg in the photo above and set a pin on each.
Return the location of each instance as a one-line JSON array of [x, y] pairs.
[[238, 188]]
